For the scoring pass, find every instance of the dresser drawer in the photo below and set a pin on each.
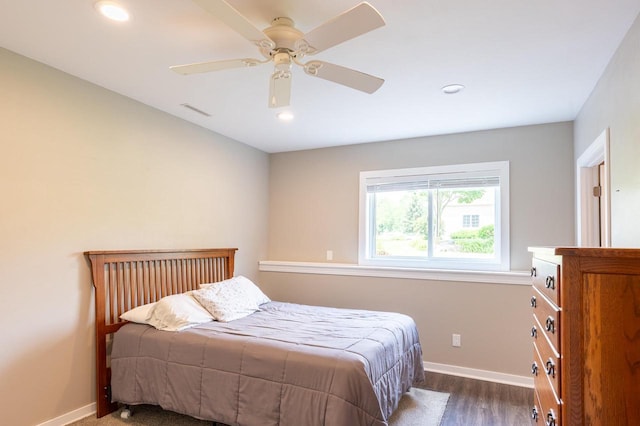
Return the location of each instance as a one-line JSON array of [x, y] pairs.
[[536, 410], [549, 405], [546, 278], [546, 318], [549, 364]]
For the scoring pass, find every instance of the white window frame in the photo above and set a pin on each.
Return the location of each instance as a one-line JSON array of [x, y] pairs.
[[501, 262]]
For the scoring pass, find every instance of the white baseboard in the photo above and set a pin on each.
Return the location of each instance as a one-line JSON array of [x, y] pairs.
[[489, 376], [71, 416]]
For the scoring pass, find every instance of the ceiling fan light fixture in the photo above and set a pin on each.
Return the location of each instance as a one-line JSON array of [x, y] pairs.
[[452, 89], [112, 10], [282, 61]]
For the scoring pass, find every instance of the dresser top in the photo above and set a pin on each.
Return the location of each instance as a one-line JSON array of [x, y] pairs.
[[588, 251]]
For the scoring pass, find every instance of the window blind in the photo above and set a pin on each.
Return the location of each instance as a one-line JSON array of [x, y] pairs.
[[425, 182]]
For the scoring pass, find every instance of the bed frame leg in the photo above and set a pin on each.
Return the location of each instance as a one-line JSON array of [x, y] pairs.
[[126, 412]]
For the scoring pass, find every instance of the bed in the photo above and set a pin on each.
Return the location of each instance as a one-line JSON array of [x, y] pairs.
[[285, 364]]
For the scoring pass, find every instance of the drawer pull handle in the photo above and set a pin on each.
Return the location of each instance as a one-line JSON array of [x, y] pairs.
[[534, 413], [534, 332], [533, 302], [550, 325], [551, 368], [533, 271], [534, 368], [551, 418], [550, 282]]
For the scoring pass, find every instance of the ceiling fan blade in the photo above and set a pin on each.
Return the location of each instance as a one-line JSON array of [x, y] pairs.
[[350, 24], [345, 76], [280, 89], [214, 66], [240, 24]]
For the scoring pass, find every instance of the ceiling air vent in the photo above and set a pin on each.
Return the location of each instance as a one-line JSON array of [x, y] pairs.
[[194, 109]]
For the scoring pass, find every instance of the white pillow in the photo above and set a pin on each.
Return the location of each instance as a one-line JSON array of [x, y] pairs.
[[141, 314], [252, 289], [178, 312], [231, 299]]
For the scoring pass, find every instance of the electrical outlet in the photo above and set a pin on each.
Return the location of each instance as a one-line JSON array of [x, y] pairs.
[[329, 254], [455, 340]]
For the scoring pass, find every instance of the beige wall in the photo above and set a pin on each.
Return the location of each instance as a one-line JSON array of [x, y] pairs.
[[615, 103], [313, 207], [83, 168], [313, 195]]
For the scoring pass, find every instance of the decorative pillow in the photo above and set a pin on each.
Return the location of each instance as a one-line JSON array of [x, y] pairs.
[[141, 314], [252, 289], [178, 312], [231, 299]]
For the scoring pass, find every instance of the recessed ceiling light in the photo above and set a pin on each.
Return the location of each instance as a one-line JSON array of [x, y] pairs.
[[112, 10], [451, 89], [285, 116]]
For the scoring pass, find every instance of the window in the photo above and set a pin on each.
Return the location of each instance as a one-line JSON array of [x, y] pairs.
[[445, 217], [470, 220]]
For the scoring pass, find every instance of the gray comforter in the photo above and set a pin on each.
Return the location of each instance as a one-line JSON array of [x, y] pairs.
[[287, 364]]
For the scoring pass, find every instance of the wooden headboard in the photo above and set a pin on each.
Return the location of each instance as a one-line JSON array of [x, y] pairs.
[[125, 279]]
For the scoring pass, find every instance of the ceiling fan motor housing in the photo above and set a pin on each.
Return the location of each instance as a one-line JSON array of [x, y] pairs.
[[283, 34]]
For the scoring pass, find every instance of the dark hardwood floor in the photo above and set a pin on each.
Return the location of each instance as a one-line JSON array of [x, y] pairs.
[[479, 403]]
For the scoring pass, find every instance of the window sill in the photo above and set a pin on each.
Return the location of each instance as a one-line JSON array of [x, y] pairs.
[[487, 277]]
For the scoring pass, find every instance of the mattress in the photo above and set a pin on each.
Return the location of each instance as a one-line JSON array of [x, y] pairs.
[[286, 364]]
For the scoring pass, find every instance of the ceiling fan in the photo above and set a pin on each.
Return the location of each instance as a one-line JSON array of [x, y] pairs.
[[284, 45]]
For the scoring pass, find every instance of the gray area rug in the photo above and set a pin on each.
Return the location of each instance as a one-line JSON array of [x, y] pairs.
[[418, 407]]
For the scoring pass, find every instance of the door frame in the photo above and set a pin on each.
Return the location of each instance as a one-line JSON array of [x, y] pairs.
[[588, 230]]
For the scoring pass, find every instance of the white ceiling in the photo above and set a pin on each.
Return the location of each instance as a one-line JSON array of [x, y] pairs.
[[522, 62]]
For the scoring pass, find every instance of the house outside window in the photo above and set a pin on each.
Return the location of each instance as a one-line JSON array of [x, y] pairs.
[[444, 217], [470, 220]]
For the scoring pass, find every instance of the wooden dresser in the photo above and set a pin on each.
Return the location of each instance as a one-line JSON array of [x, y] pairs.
[[586, 336]]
